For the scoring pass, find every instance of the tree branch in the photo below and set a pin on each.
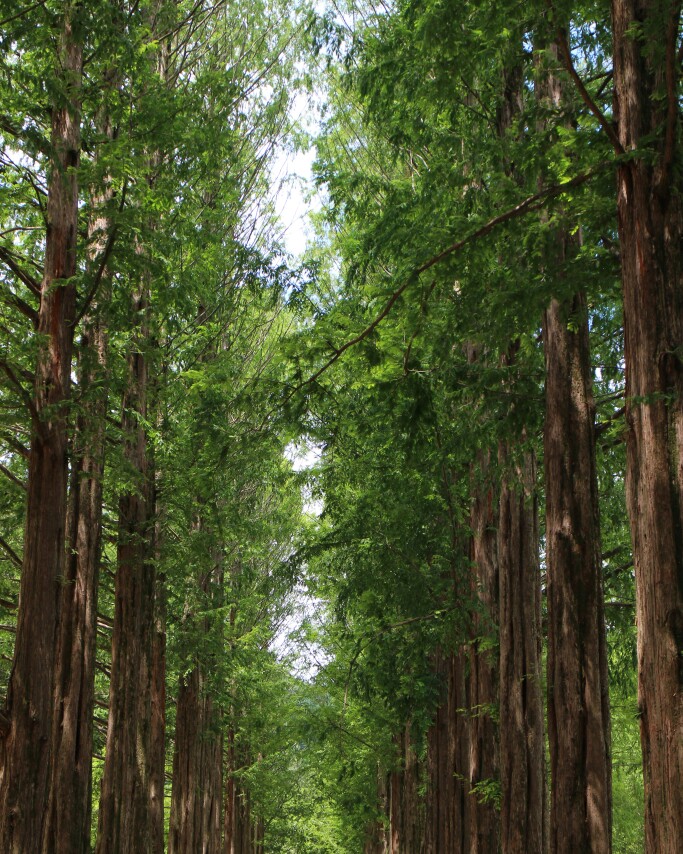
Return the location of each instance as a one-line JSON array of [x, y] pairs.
[[25, 396], [15, 444], [18, 303], [22, 13], [531, 203], [13, 556], [28, 280], [605, 124], [13, 477], [103, 262]]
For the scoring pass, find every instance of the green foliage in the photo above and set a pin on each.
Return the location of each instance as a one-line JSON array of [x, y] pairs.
[[414, 156]]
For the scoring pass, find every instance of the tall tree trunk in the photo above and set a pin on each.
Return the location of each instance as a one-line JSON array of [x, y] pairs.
[[230, 793], [67, 830], [484, 742], [448, 820], [195, 823], [406, 813], [157, 774], [126, 803], [649, 189], [578, 696], [197, 766], [578, 701], [521, 704], [241, 830], [26, 725], [377, 839]]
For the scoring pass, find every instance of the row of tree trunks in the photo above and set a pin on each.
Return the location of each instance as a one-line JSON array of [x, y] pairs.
[[650, 216], [243, 832], [25, 752], [70, 805], [67, 830]]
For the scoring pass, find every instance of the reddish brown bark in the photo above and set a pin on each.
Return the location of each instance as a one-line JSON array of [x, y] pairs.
[[68, 827], [578, 697], [377, 837], [67, 830], [578, 701], [195, 823], [157, 773], [406, 812], [521, 705], [484, 761], [127, 802], [25, 757], [649, 188], [448, 809]]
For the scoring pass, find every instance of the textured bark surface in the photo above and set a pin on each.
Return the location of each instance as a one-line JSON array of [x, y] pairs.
[[25, 757], [521, 705], [448, 819], [242, 832], [647, 112], [578, 697], [406, 812], [378, 833], [484, 742], [195, 824], [157, 774], [67, 830], [127, 805], [578, 701]]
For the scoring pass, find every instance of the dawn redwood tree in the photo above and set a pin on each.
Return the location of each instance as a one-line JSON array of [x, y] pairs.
[[578, 700], [67, 830], [25, 753], [483, 658], [449, 802], [126, 801], [196, 799], [522, 771], [650, 215]]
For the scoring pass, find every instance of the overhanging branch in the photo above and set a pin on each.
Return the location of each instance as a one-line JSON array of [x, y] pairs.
[[531, 203]]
